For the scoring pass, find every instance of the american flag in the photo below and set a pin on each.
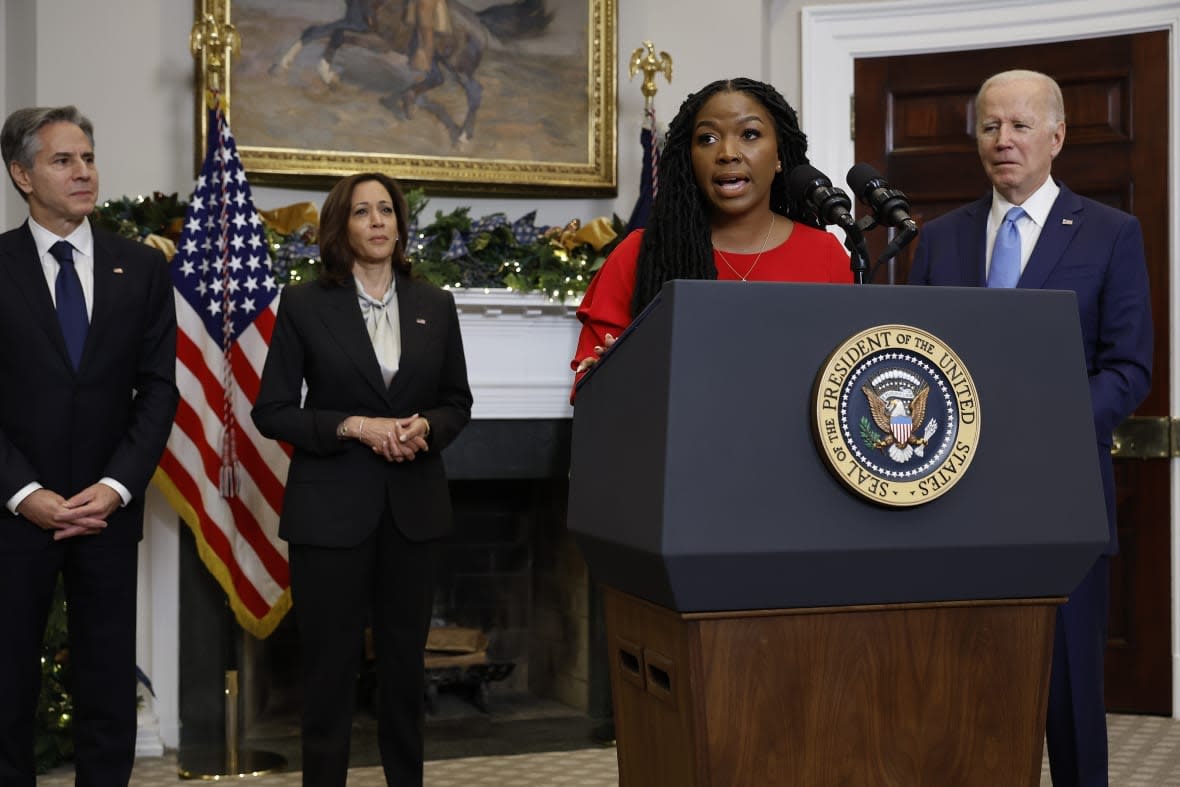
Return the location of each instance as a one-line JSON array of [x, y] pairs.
[[223, 478], [649, 177]]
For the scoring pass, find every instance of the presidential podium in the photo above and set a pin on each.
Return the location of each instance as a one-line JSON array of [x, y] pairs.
[[766, 624]]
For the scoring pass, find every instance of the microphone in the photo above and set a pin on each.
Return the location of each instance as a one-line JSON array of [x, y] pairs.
[[889, 205], [831, 205]]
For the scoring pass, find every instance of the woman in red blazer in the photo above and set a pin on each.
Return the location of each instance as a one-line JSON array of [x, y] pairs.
[[723, 211]]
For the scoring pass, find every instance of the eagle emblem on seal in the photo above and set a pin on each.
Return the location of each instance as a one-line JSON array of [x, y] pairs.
[[897, 401]]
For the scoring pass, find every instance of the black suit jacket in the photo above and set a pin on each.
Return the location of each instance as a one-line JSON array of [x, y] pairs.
[[111, 417], [336, 489]]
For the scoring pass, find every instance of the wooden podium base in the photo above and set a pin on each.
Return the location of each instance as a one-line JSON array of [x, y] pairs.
[[894, 695]]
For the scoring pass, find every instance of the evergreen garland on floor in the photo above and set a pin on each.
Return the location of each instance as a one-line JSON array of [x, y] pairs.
[[53, 743]]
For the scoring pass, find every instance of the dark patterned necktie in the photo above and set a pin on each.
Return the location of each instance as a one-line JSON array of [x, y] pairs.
[[71, 305]]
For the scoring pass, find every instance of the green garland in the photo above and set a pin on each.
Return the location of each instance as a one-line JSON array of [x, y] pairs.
[[54, 743], [453, 250]]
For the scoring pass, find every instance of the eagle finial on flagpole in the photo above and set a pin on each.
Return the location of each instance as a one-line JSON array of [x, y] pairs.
[[214, 41], [646, 60]]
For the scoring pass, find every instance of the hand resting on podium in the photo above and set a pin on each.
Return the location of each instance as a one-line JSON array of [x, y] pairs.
[[599, 351]]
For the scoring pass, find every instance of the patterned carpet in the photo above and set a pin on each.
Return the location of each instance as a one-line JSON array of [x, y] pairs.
[[1145, 752]]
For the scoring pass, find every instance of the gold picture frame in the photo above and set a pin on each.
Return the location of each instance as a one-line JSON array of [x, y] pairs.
[[314, 94]]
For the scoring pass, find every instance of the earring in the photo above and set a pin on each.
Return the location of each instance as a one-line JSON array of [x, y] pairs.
[[778, 166]]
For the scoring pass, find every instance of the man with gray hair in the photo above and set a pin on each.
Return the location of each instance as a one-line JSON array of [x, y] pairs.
[[1032, 232], [88, 360]]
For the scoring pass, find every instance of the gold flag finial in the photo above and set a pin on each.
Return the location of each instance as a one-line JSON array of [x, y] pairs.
[[213, 41], [646, 60]]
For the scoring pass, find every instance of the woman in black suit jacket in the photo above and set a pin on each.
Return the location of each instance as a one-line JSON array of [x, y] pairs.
[[386, 390]]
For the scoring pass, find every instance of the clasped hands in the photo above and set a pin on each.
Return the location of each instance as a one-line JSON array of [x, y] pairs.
[[393, 439], [84, 514]]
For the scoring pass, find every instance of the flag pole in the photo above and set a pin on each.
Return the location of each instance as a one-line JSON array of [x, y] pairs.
[[644, 59], [213, 41]]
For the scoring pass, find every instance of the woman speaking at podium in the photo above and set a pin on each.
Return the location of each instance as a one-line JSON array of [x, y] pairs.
[[723, 211]]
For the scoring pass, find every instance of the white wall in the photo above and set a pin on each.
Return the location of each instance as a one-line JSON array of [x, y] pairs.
[[125, 65], [16, 24], [784, 49]]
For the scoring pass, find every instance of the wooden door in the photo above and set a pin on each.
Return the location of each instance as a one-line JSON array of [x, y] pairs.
[[914, 120]]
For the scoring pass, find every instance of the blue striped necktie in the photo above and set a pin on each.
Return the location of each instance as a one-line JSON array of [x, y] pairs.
[[1005, 270], [71, 304]]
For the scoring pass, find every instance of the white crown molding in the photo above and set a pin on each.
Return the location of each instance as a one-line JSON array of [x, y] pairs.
[[834, 36]]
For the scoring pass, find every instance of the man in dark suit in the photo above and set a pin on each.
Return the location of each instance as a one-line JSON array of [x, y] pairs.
[[1035, 233], [87, 397]]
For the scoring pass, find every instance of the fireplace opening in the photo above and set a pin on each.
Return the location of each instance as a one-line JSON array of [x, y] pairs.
[[510, 577]]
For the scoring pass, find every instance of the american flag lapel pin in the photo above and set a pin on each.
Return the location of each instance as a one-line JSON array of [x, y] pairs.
[[117, 270], [1067, 222], [420, 320]]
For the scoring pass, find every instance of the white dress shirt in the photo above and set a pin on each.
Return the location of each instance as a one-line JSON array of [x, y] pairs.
[[82, 239], [382, 320], [1036, 208]]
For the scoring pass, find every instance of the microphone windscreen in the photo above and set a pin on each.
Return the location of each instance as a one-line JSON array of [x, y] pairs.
[[801, 178], [860, 177]]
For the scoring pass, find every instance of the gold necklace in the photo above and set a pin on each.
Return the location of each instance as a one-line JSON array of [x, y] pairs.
[[762, 248]]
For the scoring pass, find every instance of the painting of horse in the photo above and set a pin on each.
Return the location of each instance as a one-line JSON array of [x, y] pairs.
[[452, 80]]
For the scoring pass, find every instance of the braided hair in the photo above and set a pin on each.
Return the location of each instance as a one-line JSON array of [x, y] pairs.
[[677, 243]]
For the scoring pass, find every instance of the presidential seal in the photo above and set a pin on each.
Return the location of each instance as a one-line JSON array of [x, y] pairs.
[[896, 415]]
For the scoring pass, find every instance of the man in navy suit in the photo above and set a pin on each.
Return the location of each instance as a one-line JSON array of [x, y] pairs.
[[87, 397], [1057, 240]]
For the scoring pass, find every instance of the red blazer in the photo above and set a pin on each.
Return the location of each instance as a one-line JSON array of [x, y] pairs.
[[809, 255]]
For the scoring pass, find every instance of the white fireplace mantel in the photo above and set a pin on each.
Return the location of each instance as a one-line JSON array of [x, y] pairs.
[[518, 348]]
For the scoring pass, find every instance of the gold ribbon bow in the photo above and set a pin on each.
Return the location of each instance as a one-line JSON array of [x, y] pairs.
[[291, 218], [597, 233]]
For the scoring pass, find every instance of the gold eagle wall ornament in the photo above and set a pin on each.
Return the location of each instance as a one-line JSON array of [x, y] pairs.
[[646, 60]]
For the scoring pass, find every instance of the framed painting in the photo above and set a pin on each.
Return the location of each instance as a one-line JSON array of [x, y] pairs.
[[496, 96]]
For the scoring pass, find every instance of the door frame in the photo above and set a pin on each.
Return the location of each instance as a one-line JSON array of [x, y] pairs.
[[834, 36]]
